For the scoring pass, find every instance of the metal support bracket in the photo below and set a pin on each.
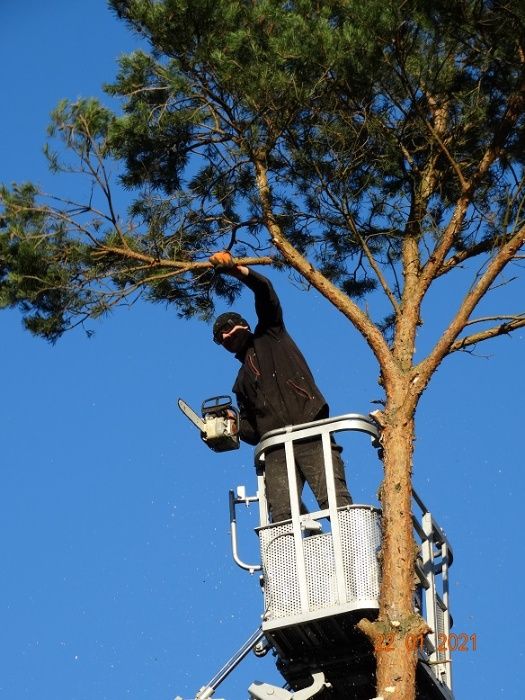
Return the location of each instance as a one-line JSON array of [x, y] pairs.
[[234, 501], [209, 689], [265, 691]]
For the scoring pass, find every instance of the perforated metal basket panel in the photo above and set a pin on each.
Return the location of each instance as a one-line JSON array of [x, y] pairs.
[[360, 539], [440, 634], [320, 571], [281, 586]]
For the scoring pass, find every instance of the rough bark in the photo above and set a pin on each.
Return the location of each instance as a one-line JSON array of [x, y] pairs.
[[397, 622]]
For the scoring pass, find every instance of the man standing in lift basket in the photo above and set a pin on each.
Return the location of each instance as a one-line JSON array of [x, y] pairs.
[[274, 388]]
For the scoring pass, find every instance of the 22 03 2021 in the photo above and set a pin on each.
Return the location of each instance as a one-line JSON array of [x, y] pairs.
[[445, 642]]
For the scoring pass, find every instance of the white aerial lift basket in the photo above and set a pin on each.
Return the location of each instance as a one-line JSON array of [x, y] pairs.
[[322, 563]]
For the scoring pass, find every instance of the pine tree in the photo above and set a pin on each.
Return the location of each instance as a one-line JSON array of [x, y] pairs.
[[373, 148]]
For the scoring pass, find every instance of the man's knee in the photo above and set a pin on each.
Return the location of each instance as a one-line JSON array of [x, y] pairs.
[[343, 497], [279, 506]]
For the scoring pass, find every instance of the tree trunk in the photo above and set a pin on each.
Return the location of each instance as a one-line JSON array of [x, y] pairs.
[[398, 626]]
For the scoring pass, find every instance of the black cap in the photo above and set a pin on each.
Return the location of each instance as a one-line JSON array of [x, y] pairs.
[[226, 322]]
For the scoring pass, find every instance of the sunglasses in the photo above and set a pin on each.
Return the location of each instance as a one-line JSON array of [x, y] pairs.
[[225, 327]]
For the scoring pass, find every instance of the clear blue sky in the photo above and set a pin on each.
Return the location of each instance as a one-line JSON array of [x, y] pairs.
[[115, 574]]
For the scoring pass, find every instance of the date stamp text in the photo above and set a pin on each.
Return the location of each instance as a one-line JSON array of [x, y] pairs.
[[445, 642]]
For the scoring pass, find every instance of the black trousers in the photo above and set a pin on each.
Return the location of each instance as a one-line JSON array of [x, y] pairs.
[[309, 465]]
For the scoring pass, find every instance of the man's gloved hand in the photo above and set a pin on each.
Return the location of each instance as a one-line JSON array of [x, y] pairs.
[[232, 415], [222, 259]]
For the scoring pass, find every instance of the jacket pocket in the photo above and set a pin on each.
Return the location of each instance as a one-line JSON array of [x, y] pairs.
[[298, 390]]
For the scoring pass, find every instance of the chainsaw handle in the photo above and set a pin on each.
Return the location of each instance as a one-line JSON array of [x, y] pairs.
[[216, 403]]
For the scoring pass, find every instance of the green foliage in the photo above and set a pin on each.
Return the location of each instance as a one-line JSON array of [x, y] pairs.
[[369, 118], [39, 266]]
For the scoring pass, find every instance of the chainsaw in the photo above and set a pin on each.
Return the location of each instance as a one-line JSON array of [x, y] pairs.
[[219, 425]]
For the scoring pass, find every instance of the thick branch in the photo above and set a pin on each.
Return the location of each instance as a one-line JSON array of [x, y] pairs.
[[339, 299], [515, 107], [440, 113], [448, 339], [474, 250], [435, 263], [406, 322], [353, 226], [501, 329], [187, 265]]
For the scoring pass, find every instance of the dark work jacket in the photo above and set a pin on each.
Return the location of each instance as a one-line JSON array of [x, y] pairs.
[[275, 386]]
